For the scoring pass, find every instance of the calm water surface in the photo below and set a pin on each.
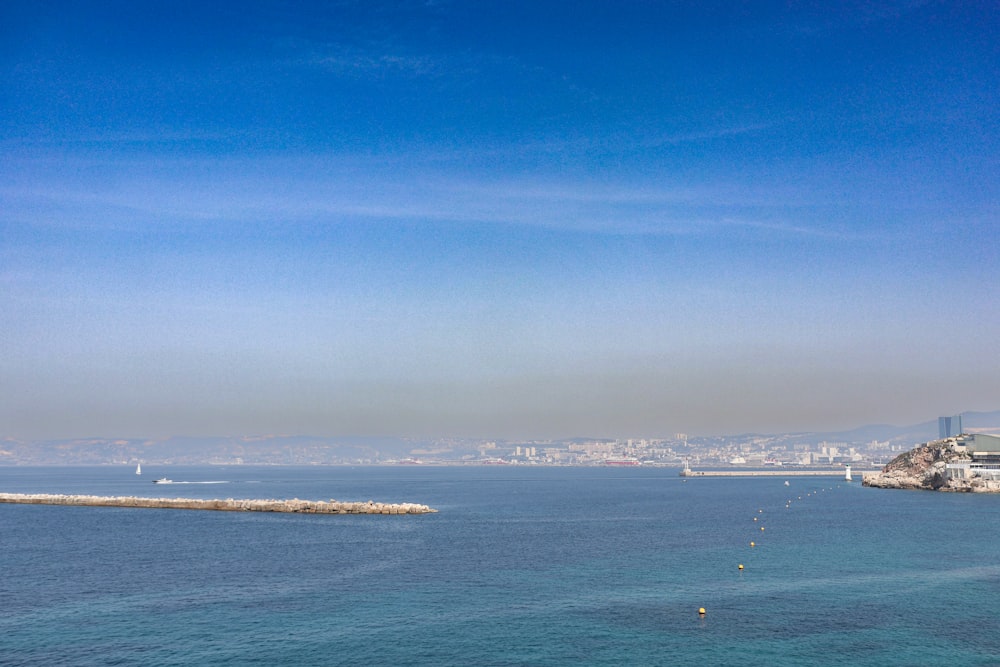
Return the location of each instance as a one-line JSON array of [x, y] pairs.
[[521, 566]]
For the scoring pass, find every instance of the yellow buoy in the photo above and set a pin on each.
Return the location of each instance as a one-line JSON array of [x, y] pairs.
[[741, 566], [701, 611], [762, 527], [752, 544]]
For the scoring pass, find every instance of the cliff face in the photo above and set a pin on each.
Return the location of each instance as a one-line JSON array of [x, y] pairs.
[[924, 467]]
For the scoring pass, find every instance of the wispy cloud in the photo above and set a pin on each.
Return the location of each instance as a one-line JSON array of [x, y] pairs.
[[353, 62], [118, 139], [822, 19], [792, 229], [707, 134], [191, 192]]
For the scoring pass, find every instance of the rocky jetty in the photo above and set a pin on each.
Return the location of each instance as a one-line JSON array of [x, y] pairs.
[[228, 505], [925, 467]]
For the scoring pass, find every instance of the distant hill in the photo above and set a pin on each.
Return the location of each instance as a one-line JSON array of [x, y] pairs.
[[181, 450], [988, 421], [911, 434]]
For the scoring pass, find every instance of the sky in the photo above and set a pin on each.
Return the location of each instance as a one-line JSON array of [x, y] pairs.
[[496, 219]]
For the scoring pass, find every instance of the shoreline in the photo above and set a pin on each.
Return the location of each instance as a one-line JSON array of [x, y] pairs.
[[294, 506]]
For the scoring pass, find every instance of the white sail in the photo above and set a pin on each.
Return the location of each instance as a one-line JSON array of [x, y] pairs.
[[847, 475], [138, 468]]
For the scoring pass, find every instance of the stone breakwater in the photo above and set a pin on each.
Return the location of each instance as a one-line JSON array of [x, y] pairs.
[[228, 505]]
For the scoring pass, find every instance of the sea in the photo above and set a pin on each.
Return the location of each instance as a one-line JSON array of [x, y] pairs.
[[521, 565]]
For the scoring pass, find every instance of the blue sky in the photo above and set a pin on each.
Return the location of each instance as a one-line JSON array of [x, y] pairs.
[[496, 219]]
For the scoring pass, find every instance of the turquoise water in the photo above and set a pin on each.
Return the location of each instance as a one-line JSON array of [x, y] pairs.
[[521, 566]]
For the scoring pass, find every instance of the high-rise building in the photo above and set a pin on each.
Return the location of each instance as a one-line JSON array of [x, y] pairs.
[[949, 426]]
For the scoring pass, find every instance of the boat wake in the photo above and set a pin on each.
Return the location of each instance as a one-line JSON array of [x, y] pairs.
[[213, 482], [170, 481]]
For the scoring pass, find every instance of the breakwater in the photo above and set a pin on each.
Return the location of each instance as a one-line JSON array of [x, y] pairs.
[[769, 473], [228, 505]]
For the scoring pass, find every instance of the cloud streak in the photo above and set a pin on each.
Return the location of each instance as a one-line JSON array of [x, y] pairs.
[[175, 194]]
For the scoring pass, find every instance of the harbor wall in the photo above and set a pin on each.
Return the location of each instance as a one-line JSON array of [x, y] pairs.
[[228, 505], [773, 473]]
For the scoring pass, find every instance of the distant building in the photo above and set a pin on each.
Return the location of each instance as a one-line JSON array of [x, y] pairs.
[[949, 427], [984, 450], [984, 446]]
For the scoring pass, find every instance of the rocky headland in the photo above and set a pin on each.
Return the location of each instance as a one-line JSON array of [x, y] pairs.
[[228, 505], [925, 468]]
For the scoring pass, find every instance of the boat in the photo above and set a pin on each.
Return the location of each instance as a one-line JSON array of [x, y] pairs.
[[786, 483], [847, 475], [138, 468], [163, 480]]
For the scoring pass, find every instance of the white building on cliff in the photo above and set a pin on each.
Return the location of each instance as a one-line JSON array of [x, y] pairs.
[[984, 452]]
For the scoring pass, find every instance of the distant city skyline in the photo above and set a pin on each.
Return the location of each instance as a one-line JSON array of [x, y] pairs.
[[510, 220]]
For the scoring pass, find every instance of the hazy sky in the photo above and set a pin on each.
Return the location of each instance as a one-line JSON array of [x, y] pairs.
[[496, 219]]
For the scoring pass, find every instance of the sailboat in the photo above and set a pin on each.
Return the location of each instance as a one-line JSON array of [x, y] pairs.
[[847, 475], [138, 468]]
